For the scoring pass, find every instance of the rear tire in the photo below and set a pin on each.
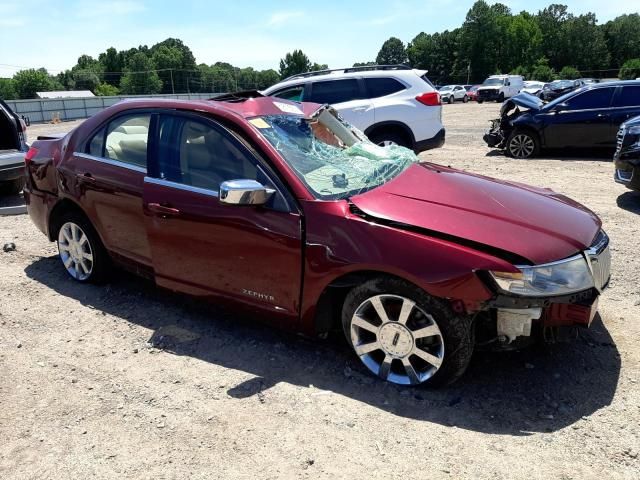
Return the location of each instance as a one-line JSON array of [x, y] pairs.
[[430, 345], [522, 144], [390, 137], [12, 187], [80, 249]]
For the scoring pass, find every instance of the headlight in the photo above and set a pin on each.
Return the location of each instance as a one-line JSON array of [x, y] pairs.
[[635, 130], [557, 278]]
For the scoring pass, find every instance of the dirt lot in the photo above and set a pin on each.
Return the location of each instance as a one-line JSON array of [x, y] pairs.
[[127, 381]]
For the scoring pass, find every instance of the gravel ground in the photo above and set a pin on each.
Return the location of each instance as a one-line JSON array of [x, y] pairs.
[[127, 381]]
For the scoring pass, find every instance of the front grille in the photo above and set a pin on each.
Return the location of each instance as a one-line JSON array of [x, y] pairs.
[[619, 139], [599, 256]]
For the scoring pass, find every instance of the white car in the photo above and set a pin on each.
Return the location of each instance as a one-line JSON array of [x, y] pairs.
[[451, 93], [533, 87], [390, 104], [500, 87]]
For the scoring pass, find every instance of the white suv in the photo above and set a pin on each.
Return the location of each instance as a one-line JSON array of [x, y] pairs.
[[390, 103]]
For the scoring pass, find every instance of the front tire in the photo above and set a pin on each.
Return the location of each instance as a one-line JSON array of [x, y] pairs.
[[522, 144], [465, 99], [405, 336], [451, 99], [501, 98], [80, 249]]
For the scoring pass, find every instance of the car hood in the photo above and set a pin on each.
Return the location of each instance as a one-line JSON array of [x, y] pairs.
[[525, 100], [535, 224]]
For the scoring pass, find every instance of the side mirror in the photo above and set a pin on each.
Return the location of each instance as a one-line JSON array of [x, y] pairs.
[[560, 107], [244, 192]]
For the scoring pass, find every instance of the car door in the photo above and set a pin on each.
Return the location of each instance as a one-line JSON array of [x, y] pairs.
[[626, 105], [459, 92], [202, 247], [109, 171], [346, 95], [583, 120]]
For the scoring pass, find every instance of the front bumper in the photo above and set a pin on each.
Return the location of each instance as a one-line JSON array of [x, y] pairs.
[[571, 310], [488, 95]]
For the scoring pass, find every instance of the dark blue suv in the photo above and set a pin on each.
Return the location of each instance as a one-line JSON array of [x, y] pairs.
[[585, 118]]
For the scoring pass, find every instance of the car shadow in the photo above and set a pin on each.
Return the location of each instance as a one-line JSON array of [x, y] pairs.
[[514, 393], [629, 201], [565, 154]]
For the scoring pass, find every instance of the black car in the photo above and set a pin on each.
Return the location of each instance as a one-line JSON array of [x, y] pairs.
[[627, 156], [586, 118], [13, 146], [557, 88]]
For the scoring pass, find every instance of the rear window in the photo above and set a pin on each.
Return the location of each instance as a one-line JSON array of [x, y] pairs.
[[335, 91], [597, 98], [381, 87], [630, 97]]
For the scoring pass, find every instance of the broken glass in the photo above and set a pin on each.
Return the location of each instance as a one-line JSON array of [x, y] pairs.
[[334, 159]]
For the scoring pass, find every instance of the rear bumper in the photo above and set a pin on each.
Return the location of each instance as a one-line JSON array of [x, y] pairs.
[[434, 142], [11, 166]]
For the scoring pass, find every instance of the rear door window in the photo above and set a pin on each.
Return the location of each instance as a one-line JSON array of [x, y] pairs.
[[591, 99], [381, 87], [336, 91], [629, 97], [124, 139]]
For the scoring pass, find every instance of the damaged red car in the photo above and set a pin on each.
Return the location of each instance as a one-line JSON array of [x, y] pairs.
[[285, 209]]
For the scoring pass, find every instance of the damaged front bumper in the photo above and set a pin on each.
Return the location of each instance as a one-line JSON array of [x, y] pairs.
[[495, 137], [514, 318]]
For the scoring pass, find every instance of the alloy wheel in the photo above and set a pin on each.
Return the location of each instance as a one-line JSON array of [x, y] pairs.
[[521, 146], [75, 251], [396, 339]]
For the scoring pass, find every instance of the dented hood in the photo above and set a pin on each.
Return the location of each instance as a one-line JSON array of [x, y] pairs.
[[535, 224], [525, 100]]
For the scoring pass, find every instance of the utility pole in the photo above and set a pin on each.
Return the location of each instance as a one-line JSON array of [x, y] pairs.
[[468, 72], [173, 90]]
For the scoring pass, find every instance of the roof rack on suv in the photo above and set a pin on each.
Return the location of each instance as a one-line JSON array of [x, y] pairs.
[[349, 70]]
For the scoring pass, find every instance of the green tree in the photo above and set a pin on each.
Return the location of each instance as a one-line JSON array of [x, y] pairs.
[[266, 78], [523, 41], [7, 89], [585, 45], [106, 90], [630, 70], [175, 60], [570, 73], [541, 71], [85, 75], [294, 63], [521, 70], [622, 35], [482, 39], [319, 66], [113, 64], [392, 52], [28, 82], [551, 20], [140, 77], [364, 64], [438, 54]]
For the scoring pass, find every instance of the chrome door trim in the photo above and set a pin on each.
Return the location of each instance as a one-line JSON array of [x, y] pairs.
[[110, 161], [181, 186]]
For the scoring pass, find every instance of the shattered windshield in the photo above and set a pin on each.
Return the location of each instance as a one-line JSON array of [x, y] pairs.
[[332, 158], [492, 82]]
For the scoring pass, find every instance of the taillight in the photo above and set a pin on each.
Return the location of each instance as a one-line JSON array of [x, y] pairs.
[[431, 99], [30, 155]]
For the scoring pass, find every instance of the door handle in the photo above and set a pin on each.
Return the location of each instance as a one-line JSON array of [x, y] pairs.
[[87, 177], [602, 115], [163, 210], [359, 109]]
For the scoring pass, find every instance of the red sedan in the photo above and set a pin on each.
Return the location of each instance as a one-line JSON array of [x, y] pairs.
[[283, 208]]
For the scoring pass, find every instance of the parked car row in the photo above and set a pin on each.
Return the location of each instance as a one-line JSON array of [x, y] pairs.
[[585, 118]]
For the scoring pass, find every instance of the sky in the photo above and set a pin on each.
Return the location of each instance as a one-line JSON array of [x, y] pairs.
[[42, 33]]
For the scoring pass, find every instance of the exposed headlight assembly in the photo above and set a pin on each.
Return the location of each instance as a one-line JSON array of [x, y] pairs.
[[556, 278]]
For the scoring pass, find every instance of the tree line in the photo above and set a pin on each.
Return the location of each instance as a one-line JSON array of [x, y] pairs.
[[552, 43]]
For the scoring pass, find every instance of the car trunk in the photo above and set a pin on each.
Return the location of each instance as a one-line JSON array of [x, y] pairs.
[[9, 137]]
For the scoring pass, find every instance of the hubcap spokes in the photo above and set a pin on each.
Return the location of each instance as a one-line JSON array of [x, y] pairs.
[[75, 251], [397, 340], [521, 146]]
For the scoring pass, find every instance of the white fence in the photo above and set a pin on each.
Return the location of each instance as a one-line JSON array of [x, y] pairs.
[[45, 110]]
